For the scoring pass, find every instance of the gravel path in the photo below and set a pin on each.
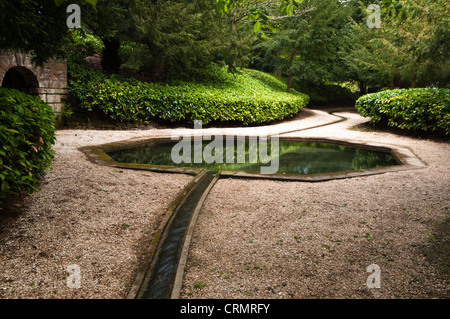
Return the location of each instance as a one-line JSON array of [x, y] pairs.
[[272, 240]]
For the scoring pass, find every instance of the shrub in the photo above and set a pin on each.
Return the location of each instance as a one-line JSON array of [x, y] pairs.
[[249, 97], [423, 109], [27, 133], [81, 44]]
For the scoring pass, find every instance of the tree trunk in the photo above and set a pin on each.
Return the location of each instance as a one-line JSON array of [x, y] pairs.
[[233, 27], [413, 82], [289, 84], [362, 88], [111, 60], [291, 59]]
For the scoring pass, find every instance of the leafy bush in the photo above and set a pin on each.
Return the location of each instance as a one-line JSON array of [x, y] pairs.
[[27, 133], [249, 97], [79, 45], [88, 43], [424, 109]]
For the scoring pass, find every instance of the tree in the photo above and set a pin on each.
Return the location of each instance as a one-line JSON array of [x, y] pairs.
[[37, 27], [404, 52], [166, 38], [177, 37], [305, 44], [112, 22]]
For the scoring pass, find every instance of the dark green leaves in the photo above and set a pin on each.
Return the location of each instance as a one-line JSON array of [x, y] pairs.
[[394, 8], [33, 26], [249, 97], [258, 13], [91, 2], [409, 109], [27, 133]]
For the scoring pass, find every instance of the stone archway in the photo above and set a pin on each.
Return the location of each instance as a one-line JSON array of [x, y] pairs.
[[20, 78], [49, 82]]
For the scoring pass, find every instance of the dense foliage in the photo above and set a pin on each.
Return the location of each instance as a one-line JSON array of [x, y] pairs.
[[173, 38], [248, 97], [410, 109], [330, 94], [304, 46], [35, 26], [318, 45], [329, 41], [309, 41], [411, 52], [26, 136]]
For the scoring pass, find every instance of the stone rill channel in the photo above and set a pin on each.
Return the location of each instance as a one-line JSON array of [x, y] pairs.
[[293, 158], [163, 270]]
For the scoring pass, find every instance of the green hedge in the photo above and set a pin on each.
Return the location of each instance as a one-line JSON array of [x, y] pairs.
[[422, 110], [27, 133], [249, 97]]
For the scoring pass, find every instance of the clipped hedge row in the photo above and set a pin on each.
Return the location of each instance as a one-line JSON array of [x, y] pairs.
[[249, 97], [27, 133], [422, 109]]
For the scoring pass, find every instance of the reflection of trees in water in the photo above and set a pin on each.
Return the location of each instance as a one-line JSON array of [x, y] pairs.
[[294, 157], [365, 159], [159, 155], [315, 158]]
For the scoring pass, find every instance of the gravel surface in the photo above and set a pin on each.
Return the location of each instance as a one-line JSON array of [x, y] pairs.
[[99, 218], [253, 238], [278, 239]]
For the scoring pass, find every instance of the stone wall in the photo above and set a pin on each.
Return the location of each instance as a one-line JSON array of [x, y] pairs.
[[48, 82]]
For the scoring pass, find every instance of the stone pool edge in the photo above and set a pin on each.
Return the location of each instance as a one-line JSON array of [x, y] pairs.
[[407, 159]]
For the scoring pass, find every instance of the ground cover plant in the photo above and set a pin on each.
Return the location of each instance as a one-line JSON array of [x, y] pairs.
[[248, 97], [27, 134], [420, 110]]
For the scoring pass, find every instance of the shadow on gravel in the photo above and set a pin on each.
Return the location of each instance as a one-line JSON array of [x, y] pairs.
[[438, 252]]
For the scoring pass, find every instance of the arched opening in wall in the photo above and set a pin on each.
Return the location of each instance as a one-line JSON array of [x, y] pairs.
[[20, 78]]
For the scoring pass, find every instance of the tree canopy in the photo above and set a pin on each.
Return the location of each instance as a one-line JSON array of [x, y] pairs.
[[308, 41]]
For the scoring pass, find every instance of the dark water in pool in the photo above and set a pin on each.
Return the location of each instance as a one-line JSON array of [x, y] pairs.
[[293, 157]]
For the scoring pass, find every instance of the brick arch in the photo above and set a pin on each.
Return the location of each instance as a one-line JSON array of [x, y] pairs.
[[20, 78], [49, 81]]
